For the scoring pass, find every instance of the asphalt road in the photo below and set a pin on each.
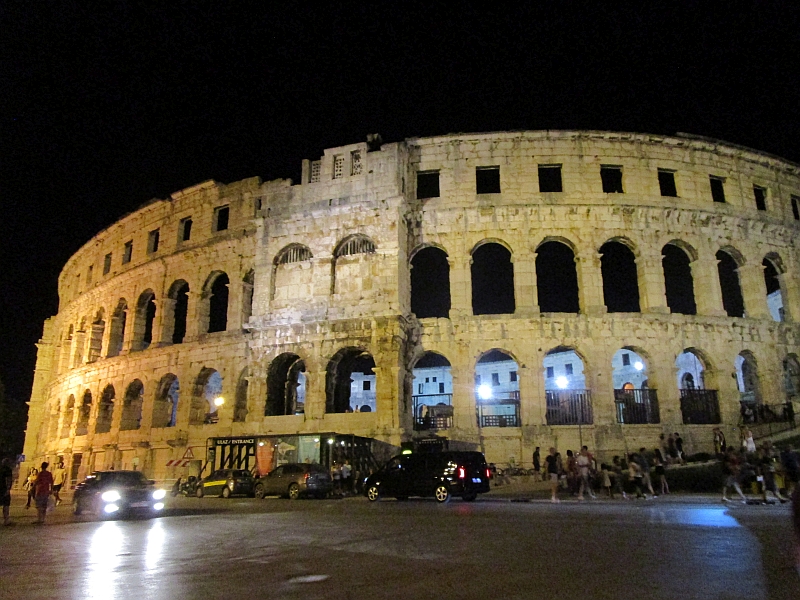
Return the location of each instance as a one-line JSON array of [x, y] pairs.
[[343, 549]]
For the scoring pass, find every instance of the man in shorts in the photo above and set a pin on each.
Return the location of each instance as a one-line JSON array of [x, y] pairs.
[[43, 487], [6, 477], [731, 468], [59, 475], [554, 468]]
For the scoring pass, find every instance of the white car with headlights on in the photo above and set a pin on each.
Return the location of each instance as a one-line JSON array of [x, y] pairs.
[[111, 494]]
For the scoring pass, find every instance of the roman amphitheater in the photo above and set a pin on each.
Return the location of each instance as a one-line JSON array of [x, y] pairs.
[[500, 291]]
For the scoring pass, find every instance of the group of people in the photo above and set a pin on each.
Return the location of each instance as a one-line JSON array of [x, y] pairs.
[[760, 465], [628, 477], [342, 475], [43, 487]]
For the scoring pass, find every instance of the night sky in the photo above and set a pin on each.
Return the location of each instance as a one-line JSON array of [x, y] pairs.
[[105, 105]]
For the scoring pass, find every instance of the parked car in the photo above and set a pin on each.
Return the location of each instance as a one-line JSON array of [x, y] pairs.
[[438, 474], [226, 483], [295, 480], [115, 493]]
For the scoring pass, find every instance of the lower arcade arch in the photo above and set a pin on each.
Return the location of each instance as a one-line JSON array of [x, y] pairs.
[[286, 386], [165, 405], [497, 399], [206, 398], [699, 401], [132, 406], [635, 401], [568, 401], [350, 382], [432, 393], [84, 414], [105, 410]]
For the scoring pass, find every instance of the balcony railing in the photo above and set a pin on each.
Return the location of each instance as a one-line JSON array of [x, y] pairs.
[[501, 411], [700, 407], [637, 407], [569, 407], [433, 412]]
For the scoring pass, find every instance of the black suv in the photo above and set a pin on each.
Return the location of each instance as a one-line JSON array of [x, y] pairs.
[[110, 493], [438, 474]]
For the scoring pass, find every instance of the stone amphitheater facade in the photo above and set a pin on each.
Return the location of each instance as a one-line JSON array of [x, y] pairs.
[[280, 285]]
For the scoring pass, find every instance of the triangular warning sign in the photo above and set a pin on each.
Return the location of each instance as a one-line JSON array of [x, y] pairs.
[[188, 454]]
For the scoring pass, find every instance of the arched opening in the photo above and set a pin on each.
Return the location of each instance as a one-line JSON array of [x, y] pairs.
[[145, 317], [774, 291], [96, 338], [178, 306], [292, 275], [247, 295], [678, 281], [749, 387], [568, 400], [105, 410], [620, 278], [117, 334], [556, 278], [732, 300], [350, 382], [69, 413], [165, 407], [286, 386], [791, 377], [635, 402], [432, 395], [430, 283], [207, 398], [240, 404], [492, 280], [699, 406], [218, 304], [132, 406], [497, 390], [84, 414]]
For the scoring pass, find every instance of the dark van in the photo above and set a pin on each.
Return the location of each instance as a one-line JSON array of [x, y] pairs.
[[438, 474]]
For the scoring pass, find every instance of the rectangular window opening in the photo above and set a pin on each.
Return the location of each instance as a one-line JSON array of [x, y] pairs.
[[89, 273], [550, 178], [355, 162], [427, 184], [760, 195], [626, 360], [441, 387], [612, 179], [152, 241], [717, 188], [495, 378], [487, 180], [221, 214], [666, 181], [420, 388], [367, 385], [107, 264], [338, 166], [796, 208], [512, 376], [127, 253], [568, 368], [477, 379], [551, 372], [185, 230], [433, 379]]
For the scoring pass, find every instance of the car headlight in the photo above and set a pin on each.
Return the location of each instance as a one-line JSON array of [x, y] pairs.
[[110, 496], [159, 494], [231, 484]]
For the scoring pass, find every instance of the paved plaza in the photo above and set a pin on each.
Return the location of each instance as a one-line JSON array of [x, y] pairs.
[[502, 546]]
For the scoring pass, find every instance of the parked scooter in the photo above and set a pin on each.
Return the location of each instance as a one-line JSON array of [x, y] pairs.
[[187, 488]]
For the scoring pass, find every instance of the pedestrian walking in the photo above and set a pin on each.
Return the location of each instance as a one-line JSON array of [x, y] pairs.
[[719, 441], [731, 468], [43, 487], [766, 471], [537, 464], [618, 480], [6, 481], [346, 481], [336, 475], [571, 469], [672, 451], [33, 473], [605, 472], [661, 475], [59, 476], [791, 468], [679, 447], [554, 469], [584, 463], [635, 477], [644, 463]]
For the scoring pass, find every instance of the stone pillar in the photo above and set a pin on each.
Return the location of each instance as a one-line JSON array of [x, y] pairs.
[[460, 286], [235, 296], [598, 373], [754, 291], [196, 314], [590, 283], [322, 277], [525, 292], [164, 326], [652, 290], [531, 395], [464, 418], [790, 295], [707, 291], [315, 391]]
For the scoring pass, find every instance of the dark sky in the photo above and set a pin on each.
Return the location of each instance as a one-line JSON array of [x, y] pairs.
[[104, 105]]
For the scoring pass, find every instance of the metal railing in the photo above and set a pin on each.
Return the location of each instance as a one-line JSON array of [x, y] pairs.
[[637, 407], [432, 412], [700, 407], [569, 407], [501, 411], [766, 419]]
